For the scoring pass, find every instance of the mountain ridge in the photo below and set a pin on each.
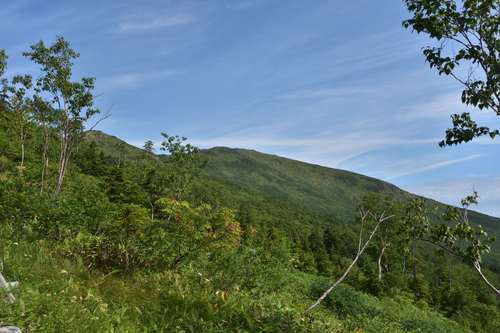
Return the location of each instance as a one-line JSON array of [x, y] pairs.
[[109, 144]]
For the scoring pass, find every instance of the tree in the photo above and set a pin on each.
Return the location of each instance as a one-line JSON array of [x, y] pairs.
[[44, 116], [389, 234], [3, 82], [183, 163], [72, 101], [365, 217], [416, 226], [3, 62], [317, 247], [121, 148], [149, 146], [467, 35], [3, 67], [21, 107], [462, 240], [173, 177], [456, 237], [155, 183]]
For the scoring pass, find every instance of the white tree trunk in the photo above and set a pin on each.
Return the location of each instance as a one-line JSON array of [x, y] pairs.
[[45, 156], [477, 266], [379, 261], [361, 249]]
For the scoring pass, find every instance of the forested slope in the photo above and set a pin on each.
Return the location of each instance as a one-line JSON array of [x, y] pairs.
[[134, 242]]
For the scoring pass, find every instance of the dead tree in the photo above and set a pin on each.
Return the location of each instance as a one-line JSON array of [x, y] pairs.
[[379, 219]]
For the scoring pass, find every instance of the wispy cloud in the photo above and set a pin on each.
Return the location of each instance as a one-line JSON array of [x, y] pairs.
[[434, 166], [321, 93], [453, 190], [155, 23], [133, 79], [438, 107], [329, 148], [241, 5]]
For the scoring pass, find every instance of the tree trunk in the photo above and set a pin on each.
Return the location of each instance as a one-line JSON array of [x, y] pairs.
[[45, 156], [22, 154], [379, 262], [21, 137], [62, 171], [477, 266], [414, 263], [63, 159]]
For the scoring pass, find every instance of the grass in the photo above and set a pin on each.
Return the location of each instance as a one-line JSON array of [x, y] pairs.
[[58, 295]]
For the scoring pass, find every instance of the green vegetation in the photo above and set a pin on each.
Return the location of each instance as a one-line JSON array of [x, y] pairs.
[[107, 237], [466, 48]]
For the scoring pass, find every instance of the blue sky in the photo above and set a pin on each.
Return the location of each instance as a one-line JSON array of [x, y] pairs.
[[337, 83]]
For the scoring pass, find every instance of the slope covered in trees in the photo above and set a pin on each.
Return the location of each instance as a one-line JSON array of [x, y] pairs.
[[82, 252], [107, 237], [312, 209]]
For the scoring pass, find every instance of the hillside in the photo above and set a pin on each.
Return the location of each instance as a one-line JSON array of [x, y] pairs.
[[317, 189], [244, 242], [313, 188], [284, 187]]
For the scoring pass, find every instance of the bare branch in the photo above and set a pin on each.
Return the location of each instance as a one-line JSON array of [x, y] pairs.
[[379, 220], [477, 266], [102, 118]]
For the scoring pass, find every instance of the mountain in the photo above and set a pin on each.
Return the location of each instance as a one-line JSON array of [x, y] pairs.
[[317, 188], [311, 192], [254, 241], [312, 187]]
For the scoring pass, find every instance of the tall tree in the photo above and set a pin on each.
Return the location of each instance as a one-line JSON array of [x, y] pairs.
[[21, 107], [3, 63], [149, 146], [173, 177], [467, 48], [459, 238], [183, 163], [456, 237], [416, 226], [366, 217], [389, 234], [3, 81], [44, 116], [71, 100]]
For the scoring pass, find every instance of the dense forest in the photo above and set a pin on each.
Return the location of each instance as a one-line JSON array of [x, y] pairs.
[[107, 237]]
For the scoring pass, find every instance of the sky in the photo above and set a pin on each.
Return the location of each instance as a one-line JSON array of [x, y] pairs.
[[336, 83]]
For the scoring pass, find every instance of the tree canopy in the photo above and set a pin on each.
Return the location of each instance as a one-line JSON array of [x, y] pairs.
[[467, 48]]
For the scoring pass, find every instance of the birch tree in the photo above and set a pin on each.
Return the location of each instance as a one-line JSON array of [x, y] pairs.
[[389, 234], [416, 225], [43, 115], [72, 101], [456, 237], [466, 37], [21, 107], [466, 47], [363, 241], [459, 238]]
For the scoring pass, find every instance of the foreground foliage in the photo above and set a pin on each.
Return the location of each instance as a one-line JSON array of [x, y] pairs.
[[112, 238]]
